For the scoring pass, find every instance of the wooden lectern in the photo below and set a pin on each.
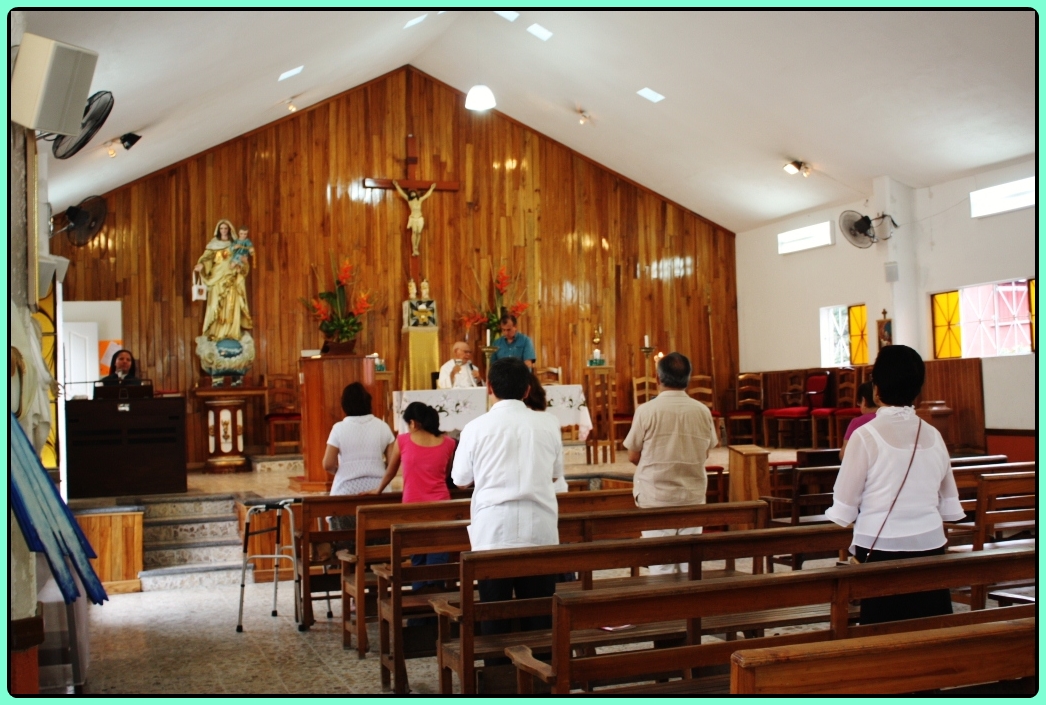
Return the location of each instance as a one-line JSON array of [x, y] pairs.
[[749, 476], [322, 380]]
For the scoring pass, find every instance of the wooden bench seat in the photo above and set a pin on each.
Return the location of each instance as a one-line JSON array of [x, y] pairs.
[[458, 653], [315, 574], [395, 603], [891, 663], [699, 602], [811, 494]]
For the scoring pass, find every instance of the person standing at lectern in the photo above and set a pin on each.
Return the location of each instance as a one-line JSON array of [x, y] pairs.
[[123, 370], [512, 343], [458, 371]]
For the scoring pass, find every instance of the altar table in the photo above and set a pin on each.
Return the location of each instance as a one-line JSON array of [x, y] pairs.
[[457, 407]]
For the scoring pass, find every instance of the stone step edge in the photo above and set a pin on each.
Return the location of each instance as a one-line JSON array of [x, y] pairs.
[[190, 519], [198, 543], [192, 568], [183, 498]]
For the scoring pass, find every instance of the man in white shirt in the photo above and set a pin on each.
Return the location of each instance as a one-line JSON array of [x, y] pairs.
[[512, 455], [458, 371]]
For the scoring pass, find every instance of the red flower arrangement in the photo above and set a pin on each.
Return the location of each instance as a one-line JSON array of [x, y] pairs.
[[339, 322], [491, 318]]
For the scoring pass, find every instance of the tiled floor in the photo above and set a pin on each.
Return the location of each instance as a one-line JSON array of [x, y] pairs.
[[185, 641]]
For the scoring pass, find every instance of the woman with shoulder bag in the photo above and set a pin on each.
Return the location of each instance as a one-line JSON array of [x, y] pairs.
[[896, 486]]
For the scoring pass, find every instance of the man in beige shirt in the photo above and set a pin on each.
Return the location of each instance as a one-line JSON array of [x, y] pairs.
[[669, 443]]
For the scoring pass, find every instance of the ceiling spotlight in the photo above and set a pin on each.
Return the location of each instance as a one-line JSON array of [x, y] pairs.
[[480, 98], [129, 140], [291, 107], [793, 168], [110, 148], [583, 116]]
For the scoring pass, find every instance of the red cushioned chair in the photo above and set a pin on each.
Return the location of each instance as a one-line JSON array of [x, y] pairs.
[[805, 392]]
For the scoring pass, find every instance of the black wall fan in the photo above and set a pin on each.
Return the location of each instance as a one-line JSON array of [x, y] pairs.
[[96, 111], [85, 220], [860, 229]]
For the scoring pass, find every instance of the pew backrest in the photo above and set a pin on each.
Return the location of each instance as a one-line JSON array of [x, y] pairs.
[[890, 663], [695, 601], [1005, 498]]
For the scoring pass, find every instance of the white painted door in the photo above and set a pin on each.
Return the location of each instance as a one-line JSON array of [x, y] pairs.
[[80, 345]]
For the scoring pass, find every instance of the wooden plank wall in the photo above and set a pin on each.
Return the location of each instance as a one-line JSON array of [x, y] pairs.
[[594, 248], [117, 539]]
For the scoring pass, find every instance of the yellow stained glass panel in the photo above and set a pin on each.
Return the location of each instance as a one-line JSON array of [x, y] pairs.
[[947, 328], [858, 334]]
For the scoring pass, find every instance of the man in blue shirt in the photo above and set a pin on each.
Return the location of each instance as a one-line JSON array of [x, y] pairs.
[[512, 343]]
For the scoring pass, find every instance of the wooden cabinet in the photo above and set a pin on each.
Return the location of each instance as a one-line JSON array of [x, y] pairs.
[[322, 380]]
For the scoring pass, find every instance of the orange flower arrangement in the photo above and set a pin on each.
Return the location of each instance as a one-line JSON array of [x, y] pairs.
[[339, 322], [491, 318]]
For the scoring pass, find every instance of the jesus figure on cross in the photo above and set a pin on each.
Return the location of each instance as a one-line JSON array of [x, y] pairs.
[[415, 222]]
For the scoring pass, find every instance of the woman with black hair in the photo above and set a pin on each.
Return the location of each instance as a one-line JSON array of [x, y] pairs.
[[358, 445], [425, 453], [123, 370], [896, 486], [427, 456]]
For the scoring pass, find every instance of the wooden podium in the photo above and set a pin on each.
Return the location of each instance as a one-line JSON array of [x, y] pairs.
[[322, 380], [749, 476]]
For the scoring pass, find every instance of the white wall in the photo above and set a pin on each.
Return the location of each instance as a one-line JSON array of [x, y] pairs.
[[107, 314], [1009, 392], [779, 296]]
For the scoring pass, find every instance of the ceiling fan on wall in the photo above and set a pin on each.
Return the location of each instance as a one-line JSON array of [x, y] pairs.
[[860, 229], [96, 111], [85, 220]]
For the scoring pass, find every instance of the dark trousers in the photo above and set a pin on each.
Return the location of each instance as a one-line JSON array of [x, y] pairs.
[[912, 605], [502, 589], [426, 559]]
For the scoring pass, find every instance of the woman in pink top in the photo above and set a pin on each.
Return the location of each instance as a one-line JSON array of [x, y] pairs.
[[427, 456], [868, 407]]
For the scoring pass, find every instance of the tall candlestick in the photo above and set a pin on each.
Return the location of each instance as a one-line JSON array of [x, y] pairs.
[[646, 341]]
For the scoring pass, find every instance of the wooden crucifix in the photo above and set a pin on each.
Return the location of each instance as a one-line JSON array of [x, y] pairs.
[[414, 191]]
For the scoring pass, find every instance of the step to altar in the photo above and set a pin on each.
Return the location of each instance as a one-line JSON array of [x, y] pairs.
[[293, 464]]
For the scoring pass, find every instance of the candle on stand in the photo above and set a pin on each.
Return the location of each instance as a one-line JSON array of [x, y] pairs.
[[646, 341], [488, 336]]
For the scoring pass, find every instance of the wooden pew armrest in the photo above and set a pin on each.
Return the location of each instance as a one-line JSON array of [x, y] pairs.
[[524, 660], [780, 500], [345, 557], [442, 607], [382, 570]]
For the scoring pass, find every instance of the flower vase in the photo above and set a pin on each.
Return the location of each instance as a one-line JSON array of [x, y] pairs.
[[332, 347]]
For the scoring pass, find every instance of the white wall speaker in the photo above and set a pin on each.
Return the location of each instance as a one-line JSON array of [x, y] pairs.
[[50, 85], [892, 275]]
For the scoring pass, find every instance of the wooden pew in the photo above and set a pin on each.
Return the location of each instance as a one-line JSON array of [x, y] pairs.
[[1005, 501], [931, 659], [311, 525], [704, 604], [811, 495], [373, 522], [979, 460], [407, 539], [458, 655]]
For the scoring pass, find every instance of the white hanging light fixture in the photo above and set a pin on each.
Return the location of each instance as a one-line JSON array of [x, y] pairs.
[[479, 98]]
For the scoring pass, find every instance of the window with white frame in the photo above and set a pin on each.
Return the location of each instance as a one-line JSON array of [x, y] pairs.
[[989, 320], [844, 335]]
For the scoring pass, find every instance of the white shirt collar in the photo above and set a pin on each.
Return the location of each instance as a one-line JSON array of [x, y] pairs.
[[904, 412]]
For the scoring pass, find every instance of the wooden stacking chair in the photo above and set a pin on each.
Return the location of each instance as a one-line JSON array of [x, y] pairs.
[[749, 406], [549, 375], [700, 389], [282, 411]]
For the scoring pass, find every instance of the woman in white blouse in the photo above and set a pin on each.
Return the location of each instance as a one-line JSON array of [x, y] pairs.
[[873, 475]]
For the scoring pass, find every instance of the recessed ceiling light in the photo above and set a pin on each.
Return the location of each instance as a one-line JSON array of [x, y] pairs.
[[293, 72], [416, 20], [651, 95], [539, 32], [509, 15]]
